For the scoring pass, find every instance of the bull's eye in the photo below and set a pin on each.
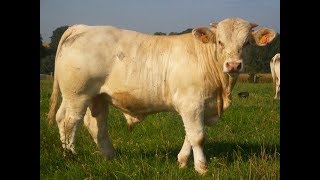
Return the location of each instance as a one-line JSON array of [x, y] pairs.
[[221, 44]]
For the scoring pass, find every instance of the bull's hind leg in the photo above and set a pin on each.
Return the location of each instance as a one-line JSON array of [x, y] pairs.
[[68, 118], [95, 122]]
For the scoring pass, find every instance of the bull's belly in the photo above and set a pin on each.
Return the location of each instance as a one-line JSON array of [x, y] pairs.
[[136, 105], [211, 112], [211, 107]]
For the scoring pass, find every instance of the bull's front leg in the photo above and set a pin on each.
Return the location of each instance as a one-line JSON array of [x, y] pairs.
[[192, 116], [184, 153]]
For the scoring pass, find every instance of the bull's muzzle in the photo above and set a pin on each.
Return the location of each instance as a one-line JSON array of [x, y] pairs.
[[230, 66]]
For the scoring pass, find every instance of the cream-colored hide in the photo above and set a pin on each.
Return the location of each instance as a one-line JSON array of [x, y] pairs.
[[275, 71], [192, 74]]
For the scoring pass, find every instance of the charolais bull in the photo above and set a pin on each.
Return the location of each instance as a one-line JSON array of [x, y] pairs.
[[192, 74]]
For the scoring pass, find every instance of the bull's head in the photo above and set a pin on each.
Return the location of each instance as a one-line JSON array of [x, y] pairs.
[[230, 36]]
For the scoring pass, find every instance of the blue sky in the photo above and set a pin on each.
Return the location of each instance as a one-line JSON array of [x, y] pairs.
[[150, 16]]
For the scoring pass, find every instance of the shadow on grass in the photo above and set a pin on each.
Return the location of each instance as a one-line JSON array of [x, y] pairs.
[[214, 149], [225, 149]]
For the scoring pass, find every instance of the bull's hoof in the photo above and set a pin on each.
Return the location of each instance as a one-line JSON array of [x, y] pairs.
[[183, 161], [182, 165], [109, 155], [130, 127], [201, 168], [69, 152]]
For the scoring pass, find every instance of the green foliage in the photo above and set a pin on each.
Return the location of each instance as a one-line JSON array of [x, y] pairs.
[[47, 56], [47, 64], [189, 30], [43, 50], [257, 59], [173, 33], [182, 32], [244, 144], [160, 33], [55, 38]]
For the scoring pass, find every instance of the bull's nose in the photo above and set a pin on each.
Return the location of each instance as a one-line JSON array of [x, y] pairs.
[[239, 67], [233, 66]]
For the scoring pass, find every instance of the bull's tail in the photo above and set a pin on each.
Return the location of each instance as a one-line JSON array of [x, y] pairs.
[[54, 99]]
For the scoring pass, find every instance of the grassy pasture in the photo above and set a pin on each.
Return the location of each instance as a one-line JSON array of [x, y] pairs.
[[244, 144]]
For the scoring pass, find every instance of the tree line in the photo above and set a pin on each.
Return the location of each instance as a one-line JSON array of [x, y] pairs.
[[256, 58], [47, 54]]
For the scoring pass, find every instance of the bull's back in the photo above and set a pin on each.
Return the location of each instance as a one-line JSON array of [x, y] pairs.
[[95, 50]]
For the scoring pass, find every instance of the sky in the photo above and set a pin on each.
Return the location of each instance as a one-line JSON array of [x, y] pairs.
[[150, 16]]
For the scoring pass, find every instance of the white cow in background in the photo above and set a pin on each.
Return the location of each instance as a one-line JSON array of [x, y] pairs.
[[275, 71], [192, 74]]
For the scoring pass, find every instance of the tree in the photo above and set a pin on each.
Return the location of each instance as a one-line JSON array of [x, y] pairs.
[[173, 33], [47, 64], [182, 32], [43, 50], [55, 38], [47, 56], [257, 59], [189, 30], [160, 33]]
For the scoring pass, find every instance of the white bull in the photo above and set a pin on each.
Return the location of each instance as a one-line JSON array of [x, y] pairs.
[[275, 72], [191, 74]]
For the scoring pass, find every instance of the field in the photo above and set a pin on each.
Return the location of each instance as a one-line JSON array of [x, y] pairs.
[[244, 144]]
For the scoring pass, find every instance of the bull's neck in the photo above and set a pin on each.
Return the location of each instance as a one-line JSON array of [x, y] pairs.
[[216, 82], [209, 66]]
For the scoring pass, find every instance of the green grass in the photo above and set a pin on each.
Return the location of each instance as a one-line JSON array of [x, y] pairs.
[[244, 144]]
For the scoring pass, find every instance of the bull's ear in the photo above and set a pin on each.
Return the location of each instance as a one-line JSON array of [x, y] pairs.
[[263, 36], [213, 24], [203, 34], [213, 27]]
